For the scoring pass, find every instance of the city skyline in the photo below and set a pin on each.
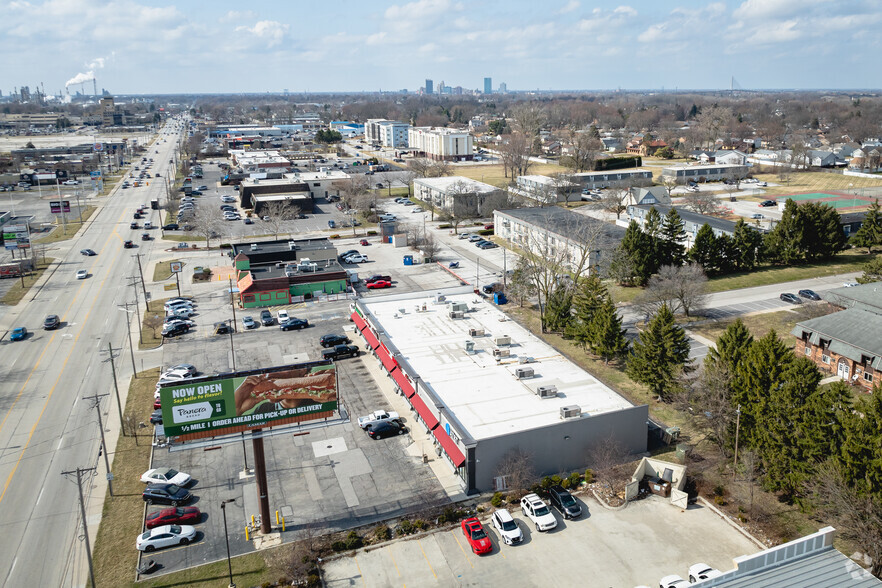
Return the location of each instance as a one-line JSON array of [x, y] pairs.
[[150, 46]]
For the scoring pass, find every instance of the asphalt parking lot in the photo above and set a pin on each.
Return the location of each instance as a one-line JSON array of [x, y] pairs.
[[636, 546], [329, 479]]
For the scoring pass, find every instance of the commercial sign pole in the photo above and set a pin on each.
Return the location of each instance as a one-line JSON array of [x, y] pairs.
[[260, 478]]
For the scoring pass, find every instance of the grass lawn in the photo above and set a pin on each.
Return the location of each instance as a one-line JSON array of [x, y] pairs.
[[248, 570], [848, 261], [815, 182], [114, 555], [62, 232], [149, 339], [19, 291], [493, 174], [162, 270], [758, 324]]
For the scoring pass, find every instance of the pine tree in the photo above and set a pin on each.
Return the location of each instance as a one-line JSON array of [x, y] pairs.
[[761, 370], [607, 337], [861, 450], [672, 235], [590, 295], [748, 243], [784, 244], [704, 250], [731, 347], [558, 310], [870, 233], [638, 247], [661, 353]]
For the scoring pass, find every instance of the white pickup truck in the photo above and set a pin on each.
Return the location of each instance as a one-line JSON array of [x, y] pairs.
[[378, 416]]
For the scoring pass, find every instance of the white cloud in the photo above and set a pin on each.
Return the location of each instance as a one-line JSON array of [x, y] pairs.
[[271, 31], [602, 20], [759, 10], [376, 38], [421, 10], [237, 16], [570, 7]]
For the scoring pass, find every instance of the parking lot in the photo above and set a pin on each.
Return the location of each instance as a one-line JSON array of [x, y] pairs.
[[636, 546], [328, 479]]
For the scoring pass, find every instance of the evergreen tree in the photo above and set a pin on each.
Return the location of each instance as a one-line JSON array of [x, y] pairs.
[[652, 228], [784, 244], [861, 450], [558, 310], [638, 247], [761, 371], [672, 235], [726, 254], [590, 295], [748, 244], [870, 233], [704, 250], [653, 224], [607, 337], [872, 272], [660, 354], [823, 232], [731, 347]]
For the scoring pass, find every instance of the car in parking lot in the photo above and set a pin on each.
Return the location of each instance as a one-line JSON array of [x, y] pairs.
[[70, 182], [475, 238], [791, 298], [165, 494], [386, 429], [165, 536], [222, 328], [266, 318], [476, 536], [417, 209], [378, 416], [535, 509], [355, 258], [766, 203], [333, 339], [850, 284], [175, 330], [340, 351], [170, 227], [228, 199], [563, 501], [672, 581], [156, 417], [487, 245], [51, 322], [182, 311], [757, 216], [378, 284], [293, 323], [18, 334], [247, 221], [87, 252], [248, 322], [701, 571], [809, 294], [166, 476], [507, 527], [172, 516]]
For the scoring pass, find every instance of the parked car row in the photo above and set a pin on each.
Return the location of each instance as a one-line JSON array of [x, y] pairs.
[[165, 527]]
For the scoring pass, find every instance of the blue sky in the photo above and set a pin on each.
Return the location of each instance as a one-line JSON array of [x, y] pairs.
[[147, 46]]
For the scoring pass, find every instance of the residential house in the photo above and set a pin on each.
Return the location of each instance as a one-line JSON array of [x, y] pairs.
[[647, 196], [645, 148]]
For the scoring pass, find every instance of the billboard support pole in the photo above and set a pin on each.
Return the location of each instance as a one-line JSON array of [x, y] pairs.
[[260, 478]]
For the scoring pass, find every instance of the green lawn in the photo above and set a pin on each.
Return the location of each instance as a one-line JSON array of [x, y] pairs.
[[162, 270], [248, 570], [68, 229], [19, 290], [758, 324]]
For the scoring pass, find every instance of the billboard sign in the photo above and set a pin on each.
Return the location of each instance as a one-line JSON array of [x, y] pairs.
[[16, 237], [59, 206], [175, 266], [95, 174], [232, 403]]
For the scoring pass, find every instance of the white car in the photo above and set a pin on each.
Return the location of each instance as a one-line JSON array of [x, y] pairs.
[[170, 306], [535, 509], [165, 536], [174, 376], [850, 284], [166, 476], [82, 274], [672, 581], [283, 315], [70, 182], [182, 311], [417, 209], [507, 527], [702, 571], [378, 416], [186, 368], [228, 199], [356, 258]]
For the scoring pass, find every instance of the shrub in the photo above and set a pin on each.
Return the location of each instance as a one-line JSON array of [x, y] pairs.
[[565, 483], [313, 580], [445, 226], [589, 476], [420, 524], [334, 237], [719, 490], [497, 499], [719, 500], [546, 483], [353, 540], [383, 533], [575, 479], [405, 527], [480, 509], [338, 546], [555, 480], [371, 233], [485, 232]]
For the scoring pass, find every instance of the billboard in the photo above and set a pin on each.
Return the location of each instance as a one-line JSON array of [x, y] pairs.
[[16, 236], [59, 206], [231, 403]]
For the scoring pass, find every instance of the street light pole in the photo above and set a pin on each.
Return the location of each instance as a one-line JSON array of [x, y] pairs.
[[227, 538]]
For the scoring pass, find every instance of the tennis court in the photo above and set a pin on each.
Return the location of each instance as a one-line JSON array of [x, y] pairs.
[[841, 201]]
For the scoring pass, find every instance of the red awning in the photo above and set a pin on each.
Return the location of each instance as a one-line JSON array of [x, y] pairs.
[[403, 383], [386, 357], [359, 322], [371, 339], [423, 411], [450, 447]]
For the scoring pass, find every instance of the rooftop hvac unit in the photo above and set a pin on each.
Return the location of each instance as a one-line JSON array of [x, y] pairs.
[[476, 332], [456, 314], [502, 340], [549, 391], [459, 306], [501, 352], [470, 346], [522, 373], [525, 359], [570, 412]]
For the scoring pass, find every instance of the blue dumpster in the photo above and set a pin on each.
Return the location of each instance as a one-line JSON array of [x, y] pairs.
[[499, 298], [408, 260]]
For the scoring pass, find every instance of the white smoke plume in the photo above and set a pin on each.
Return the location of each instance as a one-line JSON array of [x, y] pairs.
[[80, 78]]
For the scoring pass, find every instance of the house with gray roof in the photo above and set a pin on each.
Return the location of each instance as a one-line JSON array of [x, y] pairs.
[[863, 296], [648, 196]]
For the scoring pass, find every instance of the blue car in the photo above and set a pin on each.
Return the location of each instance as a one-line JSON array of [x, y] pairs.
[[18, 334]]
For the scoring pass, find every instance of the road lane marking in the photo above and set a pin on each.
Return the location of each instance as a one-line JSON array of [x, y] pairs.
[[60, 440], [427, 559], [468, 559], [41, 495]]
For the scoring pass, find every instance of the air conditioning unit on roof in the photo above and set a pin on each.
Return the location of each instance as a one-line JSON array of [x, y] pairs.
[[522, 373], [501, 352], [456, 314], [476, 332], [570, 412], [502, 340], [549, 391]]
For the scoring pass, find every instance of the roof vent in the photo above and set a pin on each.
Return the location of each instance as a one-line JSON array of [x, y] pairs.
[[570, 412]]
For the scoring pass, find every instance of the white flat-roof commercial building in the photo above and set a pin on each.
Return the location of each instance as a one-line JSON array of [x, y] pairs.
[[252, 161], [322, 183], [442, 144], [548, 190], [458, 195], [484, 386], [608, 179], [704, 173], [388, 133]]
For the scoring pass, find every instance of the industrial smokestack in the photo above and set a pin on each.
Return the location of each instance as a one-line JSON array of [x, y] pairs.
[[95, 86]]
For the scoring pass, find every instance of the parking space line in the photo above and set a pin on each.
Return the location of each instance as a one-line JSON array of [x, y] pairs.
[[427, 559], [455, 538], [393, 562], [360, 573]]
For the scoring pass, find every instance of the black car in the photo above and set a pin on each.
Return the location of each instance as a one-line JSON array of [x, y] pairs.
[[266, 318], [128, 244], [87, 252], [377, 278], [294, 323], [333, 340], [136, 216], [346, 254], [170, 227], [134, 225], [491, 288], [767, 203], [810, 294], [165, 494], [385, 429], [156, 417], [564, 502], [175, 330], [222, 329], [791, 298], [52, 322], [340, 351]]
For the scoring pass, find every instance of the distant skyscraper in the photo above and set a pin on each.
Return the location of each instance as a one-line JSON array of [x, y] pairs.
[[429, 87], [503, 88], [488, 85]]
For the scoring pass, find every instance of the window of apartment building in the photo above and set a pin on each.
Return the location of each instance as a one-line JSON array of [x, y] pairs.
[[808, 350], [316, 184], [868, 377], [825, 358]]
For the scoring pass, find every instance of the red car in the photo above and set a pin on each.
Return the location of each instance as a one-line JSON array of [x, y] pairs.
[[477, 538], [379, 284], [156, 405], [173, 516], [364, 242]]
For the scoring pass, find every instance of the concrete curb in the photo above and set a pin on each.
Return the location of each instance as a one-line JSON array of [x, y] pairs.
[[732, 523], [604, 504]]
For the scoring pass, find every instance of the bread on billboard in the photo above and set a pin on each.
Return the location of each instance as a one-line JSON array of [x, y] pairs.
[[285, 389]]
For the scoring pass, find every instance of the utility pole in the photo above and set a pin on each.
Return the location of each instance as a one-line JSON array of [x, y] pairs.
[[97, 406], [129, 333], [143, 285], [134, 283], [79, 472], [737, 426], [115, 387]]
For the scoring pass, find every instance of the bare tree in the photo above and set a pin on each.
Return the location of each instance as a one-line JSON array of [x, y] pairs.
[[515, 155], [516, 470], [407, 177], [669, 182], [207, 224], [680, 287], [528, 119], [584, 149], [703, 202], [604, 456], [353, 189], [613, 200], [712, 120], [276, 213], [153, 321], [428, 246], [707, 398]]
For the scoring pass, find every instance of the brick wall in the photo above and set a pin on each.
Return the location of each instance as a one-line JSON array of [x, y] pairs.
[[831, 366]]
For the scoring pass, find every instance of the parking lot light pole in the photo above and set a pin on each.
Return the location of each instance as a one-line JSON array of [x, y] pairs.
[[227, 538]]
